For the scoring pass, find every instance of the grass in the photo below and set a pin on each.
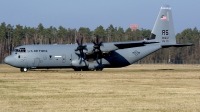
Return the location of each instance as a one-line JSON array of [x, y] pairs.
[[134, 88]]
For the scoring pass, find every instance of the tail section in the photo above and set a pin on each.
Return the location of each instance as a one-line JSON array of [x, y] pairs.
[[163, 30]]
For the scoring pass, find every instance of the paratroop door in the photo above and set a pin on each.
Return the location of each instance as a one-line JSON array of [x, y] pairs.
[[36, 62]]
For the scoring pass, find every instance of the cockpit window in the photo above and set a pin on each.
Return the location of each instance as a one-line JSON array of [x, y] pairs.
[[15, 50], [20, 50]]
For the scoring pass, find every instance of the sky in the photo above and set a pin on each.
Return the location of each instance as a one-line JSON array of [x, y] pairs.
[[93, 13]]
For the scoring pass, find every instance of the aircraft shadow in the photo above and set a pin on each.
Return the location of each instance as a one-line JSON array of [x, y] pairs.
[[166, 69]]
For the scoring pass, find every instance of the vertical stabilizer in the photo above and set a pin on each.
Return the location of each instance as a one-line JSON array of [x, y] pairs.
[[163, 30]]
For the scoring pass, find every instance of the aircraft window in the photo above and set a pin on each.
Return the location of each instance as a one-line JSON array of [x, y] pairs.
[[20, 50], [50, 57], [19, 56], [15, 50]]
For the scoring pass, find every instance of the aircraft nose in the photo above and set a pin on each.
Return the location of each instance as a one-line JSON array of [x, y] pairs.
[[9, 60], [6, 60]]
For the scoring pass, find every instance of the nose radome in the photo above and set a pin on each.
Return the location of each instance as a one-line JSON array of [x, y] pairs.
[[6, 60], [9, 60]]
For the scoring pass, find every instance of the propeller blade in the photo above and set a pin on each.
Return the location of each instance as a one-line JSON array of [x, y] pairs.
[[80, 61], [93, 42], [81, 40], [97, 61], [77, 42], [97, 39], [100, 43]]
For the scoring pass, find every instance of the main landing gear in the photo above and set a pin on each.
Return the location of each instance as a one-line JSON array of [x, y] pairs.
[[99, 69], [23, 69]]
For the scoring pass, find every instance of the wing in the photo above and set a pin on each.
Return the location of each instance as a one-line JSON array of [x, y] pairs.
[[108, 47], [124, 45]]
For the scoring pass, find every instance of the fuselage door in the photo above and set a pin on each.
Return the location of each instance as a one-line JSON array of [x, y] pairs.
[[63, 58], [36, 62]]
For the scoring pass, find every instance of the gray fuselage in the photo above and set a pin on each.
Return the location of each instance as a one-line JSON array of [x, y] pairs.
[[62, 56]]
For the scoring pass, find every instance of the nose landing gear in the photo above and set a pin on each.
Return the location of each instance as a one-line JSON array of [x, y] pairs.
[[23, 69]]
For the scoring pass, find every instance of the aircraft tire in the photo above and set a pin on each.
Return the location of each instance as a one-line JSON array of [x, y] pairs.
[[23, 69], [77, 69], [85, 69], [99, 69]]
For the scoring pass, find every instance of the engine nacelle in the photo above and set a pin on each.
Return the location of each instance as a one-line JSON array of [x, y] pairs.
[[108, 47], [79, 63]]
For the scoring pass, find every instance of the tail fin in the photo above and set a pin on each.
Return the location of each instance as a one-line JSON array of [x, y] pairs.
[[163, 30]]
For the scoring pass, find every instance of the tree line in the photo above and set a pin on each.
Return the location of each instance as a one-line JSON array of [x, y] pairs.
[[13, 36]]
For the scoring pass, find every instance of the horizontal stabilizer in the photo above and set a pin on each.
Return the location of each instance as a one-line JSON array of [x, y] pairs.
[[177, 45]]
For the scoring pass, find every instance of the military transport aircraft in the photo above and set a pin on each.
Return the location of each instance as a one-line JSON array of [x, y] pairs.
[[96, 55]]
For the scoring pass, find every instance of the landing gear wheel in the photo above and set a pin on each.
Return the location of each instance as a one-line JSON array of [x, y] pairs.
[[77, 69], [85, 69], [23, 69], [99, 69]]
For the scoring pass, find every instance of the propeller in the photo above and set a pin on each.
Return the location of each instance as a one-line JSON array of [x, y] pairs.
[[80, 48], [97, 44], [96, 48]]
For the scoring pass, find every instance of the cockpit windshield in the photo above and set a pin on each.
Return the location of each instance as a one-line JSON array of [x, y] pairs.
[[20, 50]]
